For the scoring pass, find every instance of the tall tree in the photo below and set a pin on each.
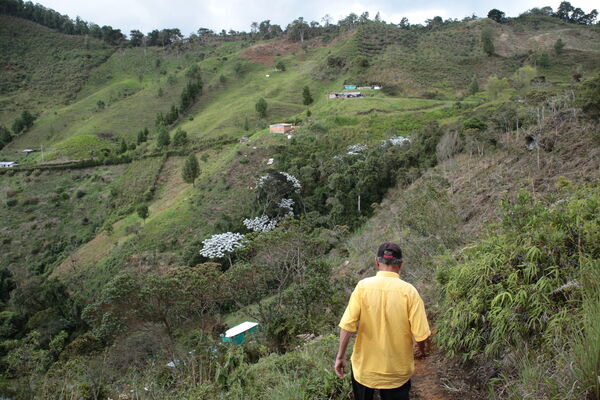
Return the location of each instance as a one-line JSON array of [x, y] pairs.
[[191, 169], [486, 39], [261, 107], [136, 38], [163, 139], [497, 15], [306, 97], [142, 211]]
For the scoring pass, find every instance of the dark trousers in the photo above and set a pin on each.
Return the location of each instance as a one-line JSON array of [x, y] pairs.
[[362, 392]]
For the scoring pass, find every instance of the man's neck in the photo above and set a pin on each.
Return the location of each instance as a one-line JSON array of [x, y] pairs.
[[389, 268]]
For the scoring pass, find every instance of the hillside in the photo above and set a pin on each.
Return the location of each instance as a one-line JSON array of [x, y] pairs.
[[107, 264]]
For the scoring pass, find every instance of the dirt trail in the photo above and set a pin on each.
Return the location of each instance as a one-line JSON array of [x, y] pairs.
[[426, 381]]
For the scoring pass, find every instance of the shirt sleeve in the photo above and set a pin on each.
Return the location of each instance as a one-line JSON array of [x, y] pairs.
[[349, 321], [418, 319]]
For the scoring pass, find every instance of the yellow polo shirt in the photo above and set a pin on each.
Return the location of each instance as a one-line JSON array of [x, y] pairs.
[[388, 313]]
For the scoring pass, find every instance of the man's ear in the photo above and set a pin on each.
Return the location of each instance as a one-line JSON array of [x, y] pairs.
[[376, 262]]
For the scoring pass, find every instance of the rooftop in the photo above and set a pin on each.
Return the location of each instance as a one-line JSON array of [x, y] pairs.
[[243, 327]]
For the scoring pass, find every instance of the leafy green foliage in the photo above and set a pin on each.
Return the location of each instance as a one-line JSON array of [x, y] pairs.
[[261, 107], [142, 211], [589, 98], [180, 138], [306, 97], [473, 86], [163, 139], [523, 283], [191, 169], [496, 85], [487, 41], [559, 46], [497, 15]]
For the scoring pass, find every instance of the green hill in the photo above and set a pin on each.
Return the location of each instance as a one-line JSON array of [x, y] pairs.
[[424, 159]]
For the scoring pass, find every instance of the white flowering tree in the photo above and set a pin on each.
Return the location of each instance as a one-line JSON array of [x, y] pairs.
[[260, 224], [276, 194], [222, 245]]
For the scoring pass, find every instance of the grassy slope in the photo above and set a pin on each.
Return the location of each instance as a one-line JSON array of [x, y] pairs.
[[129, 82], [42, 68]]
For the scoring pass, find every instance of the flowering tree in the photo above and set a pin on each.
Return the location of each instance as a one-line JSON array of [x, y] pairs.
[[222, 245], [260, 224], [275, 192]]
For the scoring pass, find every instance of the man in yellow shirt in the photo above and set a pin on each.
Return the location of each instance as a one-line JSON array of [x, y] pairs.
[[387, 313]]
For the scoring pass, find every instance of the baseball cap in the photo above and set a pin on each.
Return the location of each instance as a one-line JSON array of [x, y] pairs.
[[389, 250]]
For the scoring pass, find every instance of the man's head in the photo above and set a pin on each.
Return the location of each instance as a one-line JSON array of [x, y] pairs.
[[389, 256]]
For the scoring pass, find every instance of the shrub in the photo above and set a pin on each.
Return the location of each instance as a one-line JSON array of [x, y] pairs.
[[524, 286], [79, 194], [12, 202]]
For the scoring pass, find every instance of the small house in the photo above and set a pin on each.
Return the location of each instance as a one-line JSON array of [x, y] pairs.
[[27, 151], [270, 161], [349, 87], [281, 128], [239, 333], [8, 164], [244, 139]]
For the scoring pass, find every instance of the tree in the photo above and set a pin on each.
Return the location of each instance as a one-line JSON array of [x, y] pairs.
[[543, 60], [142, 136], [523, 76], [306, 97], [497, 15], [261, 107], [142, 211], [559, 46], [163, 139], [191, 169], [136, 38], [589, 98], [122, 146], [5, 136], [246, 124], [297, 30], [496, 85], [180, 138], [222, 245], [473, 86], [280, 66], [486, 39]]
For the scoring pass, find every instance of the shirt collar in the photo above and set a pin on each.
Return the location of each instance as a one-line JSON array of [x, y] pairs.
[[388, 274]]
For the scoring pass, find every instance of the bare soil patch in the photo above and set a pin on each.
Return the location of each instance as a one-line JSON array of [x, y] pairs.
[[265, 53]]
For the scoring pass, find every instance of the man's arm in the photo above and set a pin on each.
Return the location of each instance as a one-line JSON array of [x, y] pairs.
[[340, 358]]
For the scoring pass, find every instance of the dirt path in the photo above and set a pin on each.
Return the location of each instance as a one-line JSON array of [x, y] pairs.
[[427, 383]]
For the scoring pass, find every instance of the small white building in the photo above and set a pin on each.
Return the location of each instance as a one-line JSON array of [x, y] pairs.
[[8, 164], [27, 151]]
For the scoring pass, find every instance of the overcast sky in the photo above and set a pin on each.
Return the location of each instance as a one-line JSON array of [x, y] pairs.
[[189, 15]]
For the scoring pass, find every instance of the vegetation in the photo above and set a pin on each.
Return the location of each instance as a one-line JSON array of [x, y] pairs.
[[527, 285], [191, 169], [118, 277]]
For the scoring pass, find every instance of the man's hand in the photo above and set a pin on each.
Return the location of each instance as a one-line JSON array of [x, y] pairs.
[[423, 348], [340, 367], [340, 359]]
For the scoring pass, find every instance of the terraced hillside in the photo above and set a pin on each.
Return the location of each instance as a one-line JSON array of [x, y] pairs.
[[102, 232]]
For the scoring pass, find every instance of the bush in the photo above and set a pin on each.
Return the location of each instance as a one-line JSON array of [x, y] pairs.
[[524, 286], [12, 202], [79, 194]]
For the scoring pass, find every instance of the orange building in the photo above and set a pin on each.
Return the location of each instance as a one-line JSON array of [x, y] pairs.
[[281, 128]]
